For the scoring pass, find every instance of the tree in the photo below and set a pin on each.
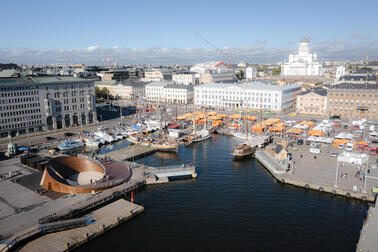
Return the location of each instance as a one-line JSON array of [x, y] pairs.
[[240, 74], [276, 71], [101, 93]]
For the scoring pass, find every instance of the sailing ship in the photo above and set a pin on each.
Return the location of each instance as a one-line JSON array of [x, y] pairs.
[[197, 136], [245, 149]]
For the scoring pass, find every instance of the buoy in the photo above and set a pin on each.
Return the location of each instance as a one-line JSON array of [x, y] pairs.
[[348, 195], [321, 189], [307, 186], [333, 192], [282, 181]]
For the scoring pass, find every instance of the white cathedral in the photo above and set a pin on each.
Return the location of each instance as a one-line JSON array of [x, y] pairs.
[[304, 63]]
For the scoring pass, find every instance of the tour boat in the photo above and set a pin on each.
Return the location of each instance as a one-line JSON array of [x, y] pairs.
[[103, 135], [70, 144]]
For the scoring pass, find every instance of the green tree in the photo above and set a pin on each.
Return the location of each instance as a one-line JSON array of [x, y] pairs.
[[101, 93], [276, 71], [240, 74]]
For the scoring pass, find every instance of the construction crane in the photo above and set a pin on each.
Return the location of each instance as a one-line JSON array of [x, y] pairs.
[[222, 51]]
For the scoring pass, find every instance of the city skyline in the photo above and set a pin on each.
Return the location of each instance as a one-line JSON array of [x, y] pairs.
[[91, 32]]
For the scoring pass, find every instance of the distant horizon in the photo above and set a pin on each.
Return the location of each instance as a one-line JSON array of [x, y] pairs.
[[165, 32]]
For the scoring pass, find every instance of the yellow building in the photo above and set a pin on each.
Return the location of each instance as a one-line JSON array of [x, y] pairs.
[[312, 102], [353, 101]]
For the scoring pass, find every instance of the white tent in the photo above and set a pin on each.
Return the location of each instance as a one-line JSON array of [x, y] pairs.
[[352, 157]]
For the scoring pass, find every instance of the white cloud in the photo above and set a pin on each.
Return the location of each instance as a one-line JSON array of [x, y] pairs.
[[260, 42], [93, 48], [359, 35], [329, 50], [115, 47]]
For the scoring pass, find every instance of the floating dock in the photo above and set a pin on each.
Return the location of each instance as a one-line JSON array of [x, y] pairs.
[[130, 153], [279, 172], [159, 175], [105, 219]]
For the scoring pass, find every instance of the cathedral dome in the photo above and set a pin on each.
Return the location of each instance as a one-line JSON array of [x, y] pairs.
[[304, 40]]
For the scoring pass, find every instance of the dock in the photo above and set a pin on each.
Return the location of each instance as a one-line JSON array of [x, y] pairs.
[[284, 176], [369, 234], [159, 175], [104, 219], [130, 153]]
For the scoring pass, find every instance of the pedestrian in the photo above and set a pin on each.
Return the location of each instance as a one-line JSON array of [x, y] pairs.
[[301, 155], [314, 156]]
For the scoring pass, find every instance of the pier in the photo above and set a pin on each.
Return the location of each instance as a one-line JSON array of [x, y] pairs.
[[369, 234], [130, 153], [104, 219], [289, 176]]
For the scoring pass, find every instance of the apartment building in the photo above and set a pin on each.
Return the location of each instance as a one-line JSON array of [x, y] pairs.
[[32, 104], [127, 90], [353, 101], [169, 92]]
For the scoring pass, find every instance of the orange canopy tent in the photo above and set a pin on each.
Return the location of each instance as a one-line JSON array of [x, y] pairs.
[[217, 123], [294, 131], [337, 142], [235, 116], [318, 133], [257, 129], [251, 118]]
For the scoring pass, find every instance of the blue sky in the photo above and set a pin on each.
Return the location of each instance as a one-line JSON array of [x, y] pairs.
[[32, 28]]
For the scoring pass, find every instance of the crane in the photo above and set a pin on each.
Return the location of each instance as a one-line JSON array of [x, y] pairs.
[[222, 51]]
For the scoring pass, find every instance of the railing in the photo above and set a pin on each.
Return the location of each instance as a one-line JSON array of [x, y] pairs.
[[270, 161]]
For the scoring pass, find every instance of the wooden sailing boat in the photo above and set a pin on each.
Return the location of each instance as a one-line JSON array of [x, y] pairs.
[[245, 149]]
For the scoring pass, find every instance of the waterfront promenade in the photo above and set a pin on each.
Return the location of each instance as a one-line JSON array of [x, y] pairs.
[[104, 219], [315, 174]]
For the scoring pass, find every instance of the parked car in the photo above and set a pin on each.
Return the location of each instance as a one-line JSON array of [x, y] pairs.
[[334, 154], [334, 117], [300, 141]]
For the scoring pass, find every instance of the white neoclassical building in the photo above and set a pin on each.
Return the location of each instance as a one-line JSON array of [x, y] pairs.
[[304, 63], [254, 95]]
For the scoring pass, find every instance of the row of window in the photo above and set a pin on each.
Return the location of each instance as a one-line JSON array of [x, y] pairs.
[[19, 125], [346, 101], [11, 88], [18, 100], [236, 98], [21, 112], [346, 109], [236, 93], [20, 119], [23, 93], [352, 94], [19, 106]]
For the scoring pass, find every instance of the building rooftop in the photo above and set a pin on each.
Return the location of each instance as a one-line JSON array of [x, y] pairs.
[[322, 92], [258, 85], [158, 84], [43, 79], [373, 87], [188, 87]]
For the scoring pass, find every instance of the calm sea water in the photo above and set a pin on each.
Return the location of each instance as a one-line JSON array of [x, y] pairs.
[[232, 206]]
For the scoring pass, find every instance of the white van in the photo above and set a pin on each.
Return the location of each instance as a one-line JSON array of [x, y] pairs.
[[349, 146]]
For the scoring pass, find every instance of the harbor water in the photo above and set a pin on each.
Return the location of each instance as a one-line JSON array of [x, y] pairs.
[[232, 206]]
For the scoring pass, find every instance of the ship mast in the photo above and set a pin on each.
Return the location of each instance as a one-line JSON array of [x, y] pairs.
[[261, 114], [246, 128]]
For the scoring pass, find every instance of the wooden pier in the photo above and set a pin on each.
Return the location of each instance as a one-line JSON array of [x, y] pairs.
[[105, 219], [278, 172], [130, 153]]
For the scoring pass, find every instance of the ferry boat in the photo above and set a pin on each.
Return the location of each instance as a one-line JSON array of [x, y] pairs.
[[70, 144]]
